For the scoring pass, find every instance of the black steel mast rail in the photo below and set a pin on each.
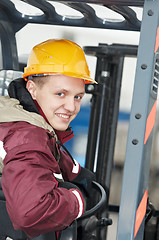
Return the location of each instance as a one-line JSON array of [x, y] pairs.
[[135, 3], [89, 19], [104, 50]]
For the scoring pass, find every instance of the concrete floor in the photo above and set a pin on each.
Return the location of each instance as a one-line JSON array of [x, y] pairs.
[[112, 230]]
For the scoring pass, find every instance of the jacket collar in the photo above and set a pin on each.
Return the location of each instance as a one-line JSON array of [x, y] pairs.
[[64, 136]]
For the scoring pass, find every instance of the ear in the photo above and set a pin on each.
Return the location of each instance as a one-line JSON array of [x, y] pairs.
[[31, 87]]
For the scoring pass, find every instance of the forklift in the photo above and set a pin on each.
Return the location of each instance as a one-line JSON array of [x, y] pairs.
[[137, 217]]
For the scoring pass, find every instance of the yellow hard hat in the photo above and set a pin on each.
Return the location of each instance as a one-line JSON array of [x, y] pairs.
[[58, 56]]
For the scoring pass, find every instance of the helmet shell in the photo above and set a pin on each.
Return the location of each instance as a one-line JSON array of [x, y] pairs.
[[58, 56]]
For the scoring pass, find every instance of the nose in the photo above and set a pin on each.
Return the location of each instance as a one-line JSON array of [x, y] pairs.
[[70, 104]]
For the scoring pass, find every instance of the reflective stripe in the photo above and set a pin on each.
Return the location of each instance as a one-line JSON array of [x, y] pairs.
[[150, 122], [76, 193], [75, 167], [157, 40], [140, 213], [2, 151], [58, 176]]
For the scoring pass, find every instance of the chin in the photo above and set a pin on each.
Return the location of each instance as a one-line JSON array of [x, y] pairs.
[[60, 128], [63, 129]]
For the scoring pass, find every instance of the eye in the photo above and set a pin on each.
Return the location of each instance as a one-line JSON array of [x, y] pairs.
[[78, 97], [60, 94]]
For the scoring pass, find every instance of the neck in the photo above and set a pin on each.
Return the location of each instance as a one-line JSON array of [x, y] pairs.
[[41, 111]]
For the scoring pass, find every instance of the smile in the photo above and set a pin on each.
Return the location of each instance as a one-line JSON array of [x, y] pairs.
[[63, 116]]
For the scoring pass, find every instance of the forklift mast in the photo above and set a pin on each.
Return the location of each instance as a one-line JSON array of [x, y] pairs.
[[134, 195], [106, 95]]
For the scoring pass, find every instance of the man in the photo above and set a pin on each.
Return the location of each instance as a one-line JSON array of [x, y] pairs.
[[42, 183]]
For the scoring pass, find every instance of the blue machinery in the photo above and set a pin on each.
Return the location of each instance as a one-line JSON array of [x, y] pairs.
[[105, 96]]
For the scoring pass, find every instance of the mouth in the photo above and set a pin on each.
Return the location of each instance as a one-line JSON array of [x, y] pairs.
[[63, 116]]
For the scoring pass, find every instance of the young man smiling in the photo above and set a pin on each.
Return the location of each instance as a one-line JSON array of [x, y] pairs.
[[60, 98], [42, 183]]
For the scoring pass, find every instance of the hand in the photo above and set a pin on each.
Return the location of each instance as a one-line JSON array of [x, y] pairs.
[[68, 185], [84, 181]]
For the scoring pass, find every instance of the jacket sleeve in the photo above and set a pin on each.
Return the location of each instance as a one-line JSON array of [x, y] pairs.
[[34, 201], [69, 169]]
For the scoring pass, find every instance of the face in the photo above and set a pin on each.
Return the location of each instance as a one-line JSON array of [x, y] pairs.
[[59, 98]]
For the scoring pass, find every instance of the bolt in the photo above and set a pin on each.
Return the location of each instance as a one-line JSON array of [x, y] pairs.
[[135, 141], [138, 116], [105, 74], [150, 12], [143, 66], [90, 87]]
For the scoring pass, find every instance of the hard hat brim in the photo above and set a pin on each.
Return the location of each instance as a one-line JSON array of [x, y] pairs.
[[86, 79]]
